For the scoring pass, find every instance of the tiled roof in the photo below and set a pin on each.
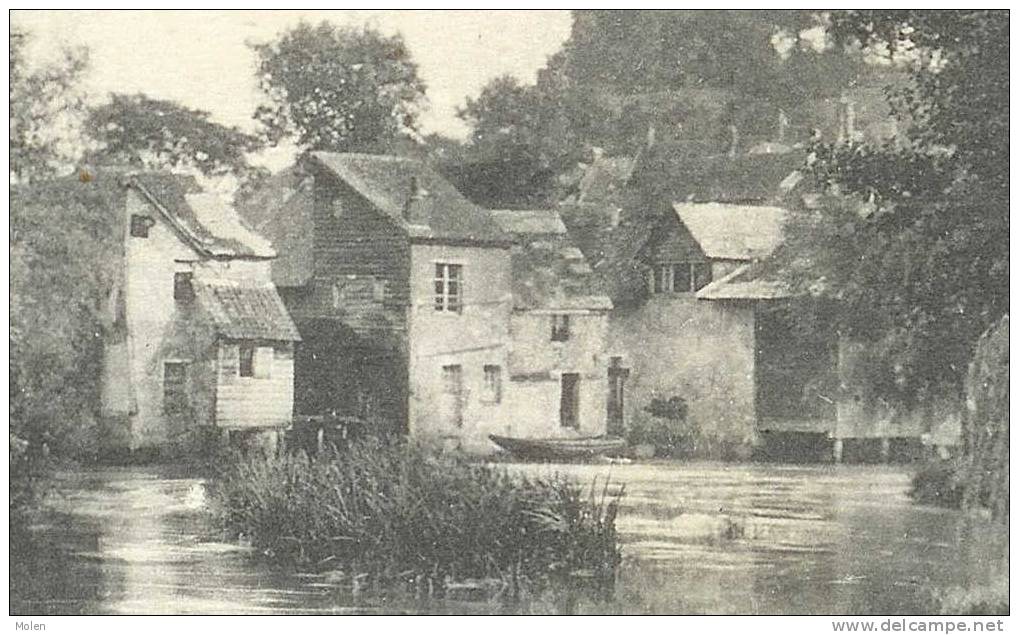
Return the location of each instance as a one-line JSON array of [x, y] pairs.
[[733, 232], [549, 272], [245, 310], [414, 196], [281, 209], [206, 222]]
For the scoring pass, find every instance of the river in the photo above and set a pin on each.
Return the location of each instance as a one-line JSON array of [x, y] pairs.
[[697, 538]]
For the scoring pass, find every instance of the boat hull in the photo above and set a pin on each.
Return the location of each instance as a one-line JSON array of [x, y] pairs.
[[551, 449]]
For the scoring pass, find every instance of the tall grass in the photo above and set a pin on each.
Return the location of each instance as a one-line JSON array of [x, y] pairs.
[[399, 512]]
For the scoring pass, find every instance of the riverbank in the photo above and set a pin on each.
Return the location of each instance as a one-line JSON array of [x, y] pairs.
[[814, 540]]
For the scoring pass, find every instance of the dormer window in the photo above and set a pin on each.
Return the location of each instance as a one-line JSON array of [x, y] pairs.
[[183, 290], [140, 225], [680, 277]]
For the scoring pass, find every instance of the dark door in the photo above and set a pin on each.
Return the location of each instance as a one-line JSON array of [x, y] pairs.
[[569, 403], [616, 403]]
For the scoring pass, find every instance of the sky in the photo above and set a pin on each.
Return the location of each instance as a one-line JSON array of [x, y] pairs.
[[201, 59]]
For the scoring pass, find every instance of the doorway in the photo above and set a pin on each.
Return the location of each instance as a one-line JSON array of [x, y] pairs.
[[569, 402], [452, 395], [615, 423]]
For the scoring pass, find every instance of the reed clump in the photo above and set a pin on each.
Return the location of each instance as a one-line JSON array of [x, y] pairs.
[[396, 512]]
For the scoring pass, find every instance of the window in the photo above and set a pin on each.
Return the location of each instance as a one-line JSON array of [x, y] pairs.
[[681, 277], [254, 361], [175, 395], [493, 384], [246, 365], [140, 225], [448, 287], [183, 291], [560, 328]]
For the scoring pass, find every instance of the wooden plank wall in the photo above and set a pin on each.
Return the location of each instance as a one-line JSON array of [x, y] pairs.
[[251, 402]]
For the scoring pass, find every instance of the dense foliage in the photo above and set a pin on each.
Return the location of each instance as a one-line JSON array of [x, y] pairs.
[[46, 110], [624, 74], [142, 132], [63, 259], [336, 88], [916, 259], [399, 513]]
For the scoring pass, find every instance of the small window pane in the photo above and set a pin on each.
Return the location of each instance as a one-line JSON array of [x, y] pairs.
[[560, 328], [183, 291], [246, 365], [681, 277], [493, 384], [140, 225]]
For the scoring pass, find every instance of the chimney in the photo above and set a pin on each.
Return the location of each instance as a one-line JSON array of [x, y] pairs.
[[417, 194], [651, 133], [783, 125], [733, 140]]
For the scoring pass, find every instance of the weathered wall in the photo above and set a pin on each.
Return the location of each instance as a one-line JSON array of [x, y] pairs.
[[154, 326], [360, 254], [265, 400], [477, 336], [861, 415], [536, 365], [701, 351]]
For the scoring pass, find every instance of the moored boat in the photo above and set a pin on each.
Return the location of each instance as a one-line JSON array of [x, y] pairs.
[[564, 448]]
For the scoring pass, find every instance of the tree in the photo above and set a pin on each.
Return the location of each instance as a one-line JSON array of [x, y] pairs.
[[914, 251], [47, 106], [143, 132], [336, 88]]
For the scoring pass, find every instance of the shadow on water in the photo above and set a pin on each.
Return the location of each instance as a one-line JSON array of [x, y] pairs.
[[697, 538]]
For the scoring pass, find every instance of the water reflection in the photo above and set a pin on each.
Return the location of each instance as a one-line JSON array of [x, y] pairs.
[[698, 538]]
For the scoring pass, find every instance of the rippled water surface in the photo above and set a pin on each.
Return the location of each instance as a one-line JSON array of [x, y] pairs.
[[697, 538]]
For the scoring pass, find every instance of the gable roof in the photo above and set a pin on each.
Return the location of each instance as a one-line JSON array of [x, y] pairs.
[[549, 272], [281, 209], [733, 232], [414, 196], [203, 220], [245, 310]]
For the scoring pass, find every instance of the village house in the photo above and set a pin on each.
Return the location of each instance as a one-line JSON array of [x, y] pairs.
[[198, 344], [401, 289], [561, 381]]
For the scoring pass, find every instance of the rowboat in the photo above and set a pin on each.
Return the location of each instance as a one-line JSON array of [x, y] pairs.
[[567, 448]]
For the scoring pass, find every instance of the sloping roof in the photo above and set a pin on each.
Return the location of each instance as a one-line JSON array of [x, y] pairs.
[[548, 271], [245, 310], [733, 232], [743, 284], [684, 173], [414, 196], [281, 209], [210, 225]]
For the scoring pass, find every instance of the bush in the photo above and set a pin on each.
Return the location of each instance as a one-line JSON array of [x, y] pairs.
[[399, 513], [938, 483], [665, 426]]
